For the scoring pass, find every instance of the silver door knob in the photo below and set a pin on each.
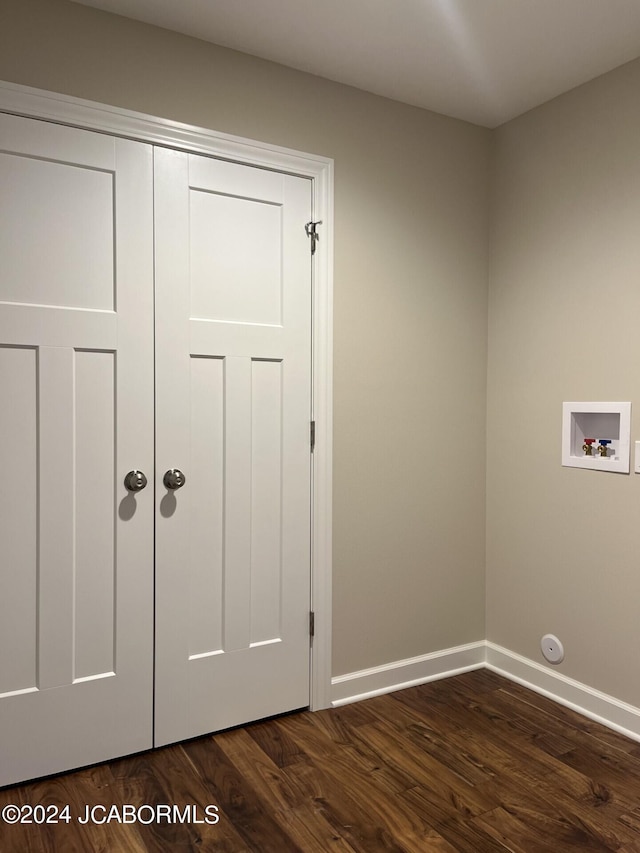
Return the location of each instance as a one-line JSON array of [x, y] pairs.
[[135, 481], [174, 479]]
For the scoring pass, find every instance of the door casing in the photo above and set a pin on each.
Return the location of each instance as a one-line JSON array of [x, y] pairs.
[[74, 112]]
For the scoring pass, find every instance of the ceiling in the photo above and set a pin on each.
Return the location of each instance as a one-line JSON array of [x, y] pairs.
[[485, 61]]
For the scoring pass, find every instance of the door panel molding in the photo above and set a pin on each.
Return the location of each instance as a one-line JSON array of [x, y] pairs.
[[80, 689], [74, 112]]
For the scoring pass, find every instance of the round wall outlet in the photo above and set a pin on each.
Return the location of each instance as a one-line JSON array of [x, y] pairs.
[[552, 648]]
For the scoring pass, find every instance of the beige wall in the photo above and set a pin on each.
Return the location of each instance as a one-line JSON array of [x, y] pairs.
[[563, 551], [410, 303]]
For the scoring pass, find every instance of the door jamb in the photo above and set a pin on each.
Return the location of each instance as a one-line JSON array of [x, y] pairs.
[[89, 115]]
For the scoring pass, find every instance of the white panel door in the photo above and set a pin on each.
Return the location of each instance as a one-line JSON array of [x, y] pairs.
[[233, 360], [76, 413]]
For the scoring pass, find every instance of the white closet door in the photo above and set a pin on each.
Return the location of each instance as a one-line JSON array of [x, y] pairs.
[[76, 413], [233, 320]]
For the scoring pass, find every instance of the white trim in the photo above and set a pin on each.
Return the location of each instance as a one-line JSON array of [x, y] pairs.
[[75, 112], [366, 683], [398, 675], [322, 468], [591, 703]]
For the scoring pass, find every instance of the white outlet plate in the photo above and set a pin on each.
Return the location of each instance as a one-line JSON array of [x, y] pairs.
[[552, 648]]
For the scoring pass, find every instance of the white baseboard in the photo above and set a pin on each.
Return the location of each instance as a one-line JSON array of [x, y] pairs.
[[406, 673], [591, 703]]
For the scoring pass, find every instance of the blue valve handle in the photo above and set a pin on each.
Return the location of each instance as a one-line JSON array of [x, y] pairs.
[[604, 441]]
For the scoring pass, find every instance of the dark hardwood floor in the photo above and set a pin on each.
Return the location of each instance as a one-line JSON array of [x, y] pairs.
[[471, 764]]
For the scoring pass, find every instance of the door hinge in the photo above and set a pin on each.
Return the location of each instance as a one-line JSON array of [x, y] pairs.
[[312, 435], [312, 232], [312, 624]]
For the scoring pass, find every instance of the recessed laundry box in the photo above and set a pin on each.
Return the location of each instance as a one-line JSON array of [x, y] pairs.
[[596, 435]]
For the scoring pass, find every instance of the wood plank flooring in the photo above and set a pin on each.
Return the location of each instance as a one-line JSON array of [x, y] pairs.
[[471, 764]]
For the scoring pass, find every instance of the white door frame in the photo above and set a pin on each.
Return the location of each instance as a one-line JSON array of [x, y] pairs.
[[62, 109]]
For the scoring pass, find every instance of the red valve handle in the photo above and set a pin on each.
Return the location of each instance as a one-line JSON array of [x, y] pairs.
[[589, 440]]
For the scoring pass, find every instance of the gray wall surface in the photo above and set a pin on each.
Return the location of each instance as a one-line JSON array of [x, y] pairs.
[[563, 543]]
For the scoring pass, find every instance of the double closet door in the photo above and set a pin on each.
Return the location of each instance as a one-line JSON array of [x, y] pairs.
[[155, 316]]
